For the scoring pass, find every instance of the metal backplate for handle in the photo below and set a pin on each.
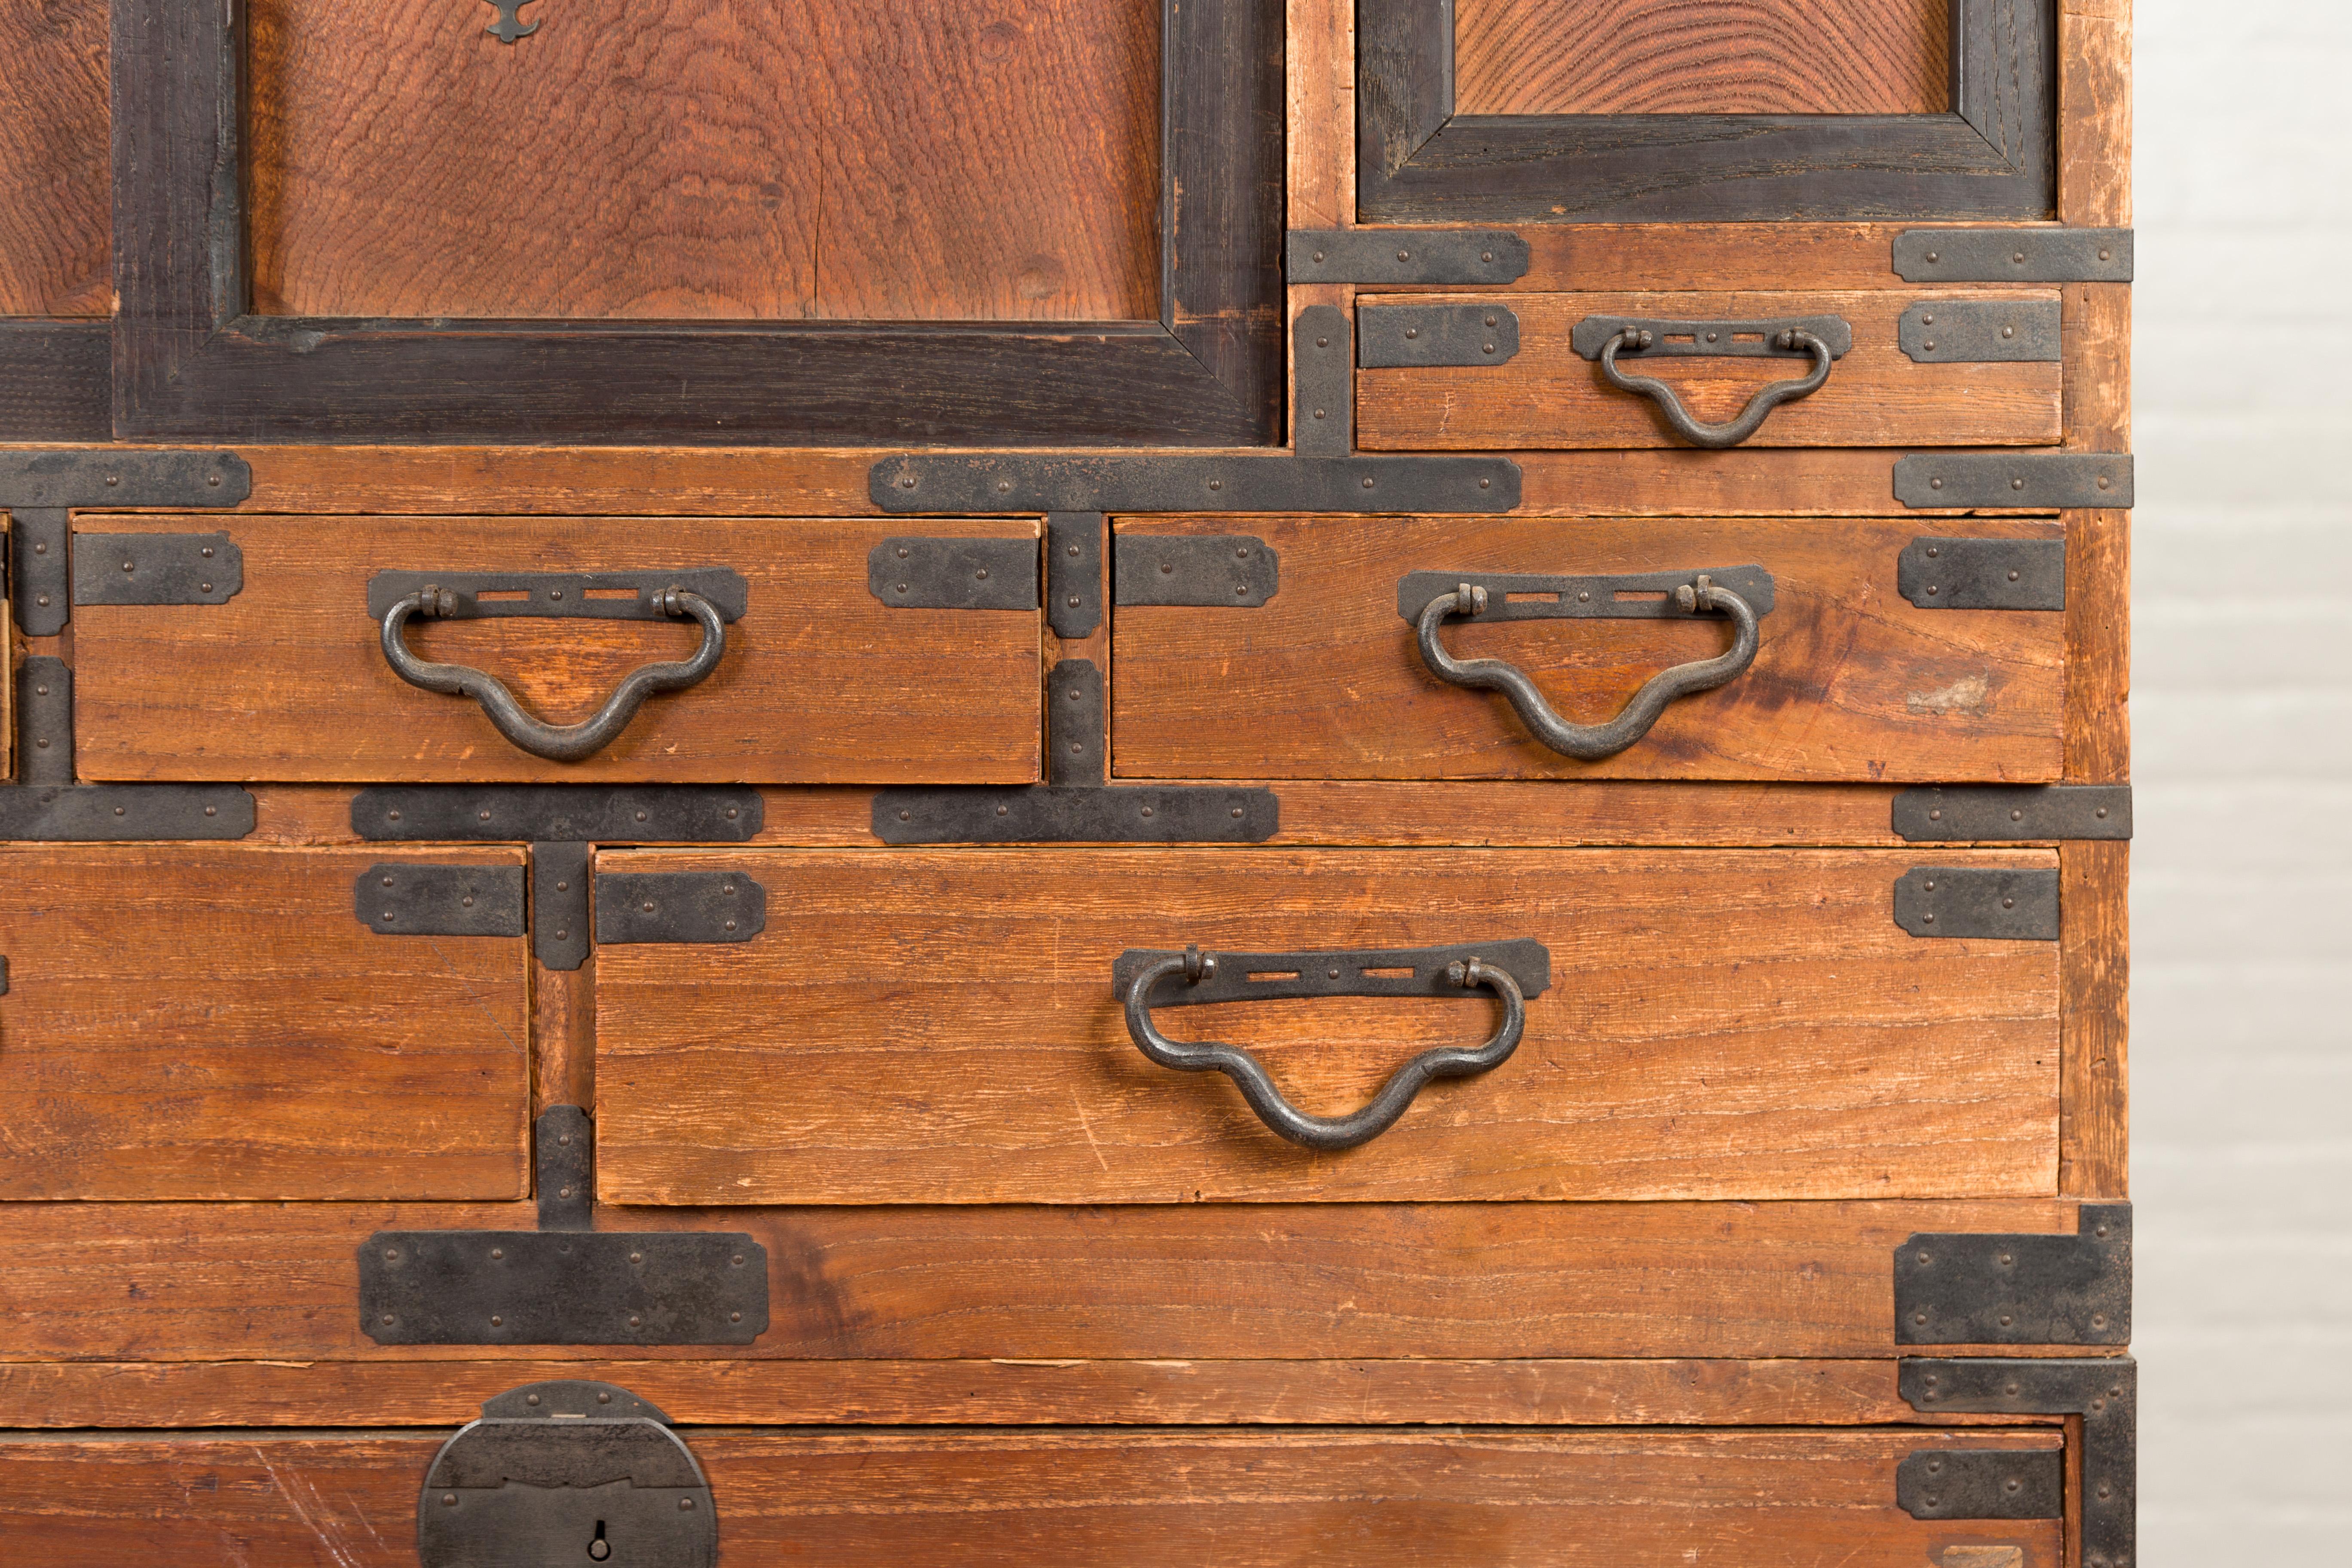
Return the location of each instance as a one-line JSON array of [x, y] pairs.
[[1620, 596], [1145, 979], [570, 595], [1672, 337]]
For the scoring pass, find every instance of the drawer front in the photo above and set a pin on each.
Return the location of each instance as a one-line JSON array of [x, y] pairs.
[[190, 1021], [822, 680], [1549, 395], [1604, 1498], [943, 1026], [1849, 681]]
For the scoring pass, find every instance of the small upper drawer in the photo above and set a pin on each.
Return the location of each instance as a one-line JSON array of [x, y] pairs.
[[1322, 672], [1903, 369], [838, 660]]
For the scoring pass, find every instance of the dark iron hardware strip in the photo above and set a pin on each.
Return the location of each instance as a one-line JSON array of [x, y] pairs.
[[2020, 1290], [39, 488], [2005, 904], [2013, 255], [1229, 571], [1947, 814], [1946, 573], [1993, 480], [2104, 1391], [914, 573], [1452, 257], [1392, 337], [156, 569], [402, 897], [1075, 541], [1982, 1483], [1980, 331], [45, 806]]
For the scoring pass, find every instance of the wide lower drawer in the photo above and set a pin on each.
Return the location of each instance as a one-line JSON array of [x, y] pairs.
[[826, 675], [1903, 382], [948, 1026], [1850, 680], [219, 1021], [1607, 1498]]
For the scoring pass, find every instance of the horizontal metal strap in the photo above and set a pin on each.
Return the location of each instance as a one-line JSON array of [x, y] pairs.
[[1392, 337], [1337, 971], [1231, 571], [403, 898], [156, 569], [1980, 331], [1542, 596], [925, 573], [562, 1287], [718, 906], [1999, 904], [1077, 814], [1944, 572], [1445, 255], [1269, 481], [1975, 480], [2013, 255], [534, 814], [134, 477], [1992, 813]]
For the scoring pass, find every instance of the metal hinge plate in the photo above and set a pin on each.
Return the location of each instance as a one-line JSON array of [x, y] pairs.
[[2013, 255], [1235, 571], [916, 574], [631, 595], [678, 907], [1966, 1289], [1982, 1483], [1538, 596], [400, 898], [1991, 480], [1980, 331], [1465, 257], [2103, 1392], [2000, 904], [156, 569], [1947, 814], [1953, 573], [1397, 336], [1344, 972]]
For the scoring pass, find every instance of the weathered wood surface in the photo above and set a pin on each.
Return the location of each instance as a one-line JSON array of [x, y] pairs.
[[1546, 396], [2094, 111], [210, 1021], [1703, 56], [55, 220], [821, 682], [1852, 683], [1319, 112], [941, 1026], [1721, 1498], [709, 159], [1207, 1281]]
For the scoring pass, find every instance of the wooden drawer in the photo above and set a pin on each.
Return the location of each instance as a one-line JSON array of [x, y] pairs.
[[822, 680], [1548, 394], [1604, 1498], [209, 1021], [943, 1026], [1851, 680]]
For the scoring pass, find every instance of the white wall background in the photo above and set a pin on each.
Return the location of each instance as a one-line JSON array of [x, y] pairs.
[[2242, 704]]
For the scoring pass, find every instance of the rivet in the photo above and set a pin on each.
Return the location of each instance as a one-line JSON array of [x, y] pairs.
[[385, 1320], [734, 1317], [1926, 321], [902, 587], [604, 1399], [208, 552], [903, 816], [41, 549], [1332, 973], [1920, 1318], [1583, 598], [1710, 337], [1490, 320], [1003, 811], [396, 816], [684, 1503], [564, 888], [2017, 484], [113, 479], [562, 936], [1412, 331], [43, 742], [1936, 815], [481, 816], [1932, 256], [387, 914], [468, 901], [1240, 589], [2105, 1489], [635, 1320], [2104, 255], [448, 1499], [1319, 414], [118, 811], [1074, 550], [497, 1322], [205, 587], [1240, 553], [555, 593], [2019, 257], [1485, 484], [1933, 589], [2098, 1319], [2006, 1319], [983, 574], [2006, 1259], [212, 811], [649, 908], [1929, 346], [730, 925], [1401, 255], [637, 1257], [641, 817], [1934, 551], [2102, 814], [1214, 485], [2009, 1486], [1322, 343], [902, 552], [733, 813], [213, 479], [2017, 815], [906, 484], [1928, 919], [1318, 255], [2012, 576], [127, 566], [1935, 485], [530, 1399], [1368, 481], [2105, 481], [1147, 811], [1166, 566], [1237, 811], [1490, 348], [1076, 746], [1005, 486], [2009, 903], [727, 887], [387, 882], [1485, 255], [2009, 332], [564, 1192], [42, 600], [737, 1260]]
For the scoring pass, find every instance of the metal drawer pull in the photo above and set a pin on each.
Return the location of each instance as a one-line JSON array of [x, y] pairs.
[[1590, 743], [558, 743], [1410, 971], [1825, 338]]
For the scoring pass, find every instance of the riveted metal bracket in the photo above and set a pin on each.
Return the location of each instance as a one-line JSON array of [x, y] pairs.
[[1980, 331], [1076, 805], [1075, 541], [524, 814], [634, 595], [2103, 1392], [1670, 338], [46, 806], [2002, 904], [1949, 573], [2013, 255], [404, 899], [1344, 972], [38, 489], [678, 907], [560, 937], [1625, 596], [1397, 336], [563, 1284], [1982, 1483], [156, 569], [1950, 813], [1985, 481], [564, 1471], [1466, 256], [1236, 571], [912, 574], [38, 539], [1324, 475], [1966, 1289]]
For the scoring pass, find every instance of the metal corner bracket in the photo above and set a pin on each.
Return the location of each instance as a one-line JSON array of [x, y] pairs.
[[2103, 1391], [39, 490], [1968, 1289], [46, 806]]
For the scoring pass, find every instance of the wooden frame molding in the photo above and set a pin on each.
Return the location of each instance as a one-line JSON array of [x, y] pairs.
[[1418, 161], [193, 361], [56, 381]]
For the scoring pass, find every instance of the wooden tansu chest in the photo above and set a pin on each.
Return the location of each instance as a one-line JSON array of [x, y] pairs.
[[1065, 781]]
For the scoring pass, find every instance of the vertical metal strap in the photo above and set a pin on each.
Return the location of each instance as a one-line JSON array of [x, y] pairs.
[[566, 1169], [38, 539], [558, 904], [45, 722], [1076, 741], [1324, 377], [1074, 559]]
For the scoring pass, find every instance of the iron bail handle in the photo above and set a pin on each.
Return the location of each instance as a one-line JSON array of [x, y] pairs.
[[1590, 743], [1327, 1132], [557, 743], [1697, 432]]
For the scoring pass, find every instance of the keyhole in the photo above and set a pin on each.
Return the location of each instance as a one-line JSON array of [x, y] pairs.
[[599, 1548]]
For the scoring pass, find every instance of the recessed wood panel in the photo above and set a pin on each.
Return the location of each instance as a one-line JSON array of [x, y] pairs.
[[1703, 56], [822, 682], [941, 1026], [1561, 1498], [707, 160], [54, 194], [1851, 681], [211, 1021], [1548, 396]]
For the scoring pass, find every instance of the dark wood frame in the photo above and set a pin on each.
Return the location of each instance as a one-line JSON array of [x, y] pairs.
[[56, 381], [193, 361], [1418, 161]]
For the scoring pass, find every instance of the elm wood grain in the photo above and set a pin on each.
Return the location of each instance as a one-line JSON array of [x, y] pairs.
[[940, 1026], [66, 1394], [707, 159], [1170, 1281], [2094, 112], [563, 1032], [1549, 397], [2095, 1019], [1852, 683], [211, 1021], [1622, 1499], [1319, 112], [1703, 56], [821, 681], [2096, 337], [54, 228]]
